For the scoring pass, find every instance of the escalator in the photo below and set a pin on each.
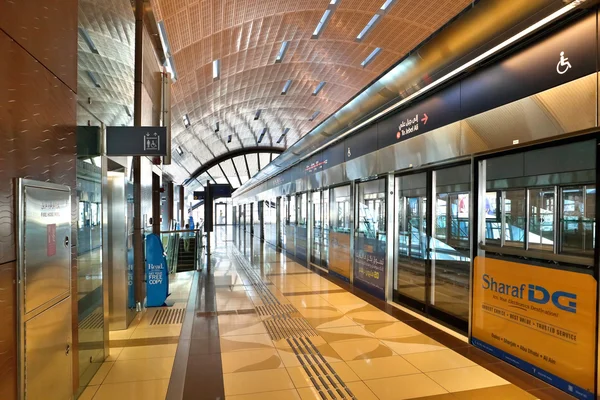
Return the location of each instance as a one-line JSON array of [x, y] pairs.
[[186, 260]]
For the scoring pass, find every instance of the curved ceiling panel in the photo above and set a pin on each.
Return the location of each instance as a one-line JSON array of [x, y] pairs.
[[267, 72]]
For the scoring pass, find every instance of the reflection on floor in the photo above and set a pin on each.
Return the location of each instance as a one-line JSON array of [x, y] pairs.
[[141, 357], [272, 329]]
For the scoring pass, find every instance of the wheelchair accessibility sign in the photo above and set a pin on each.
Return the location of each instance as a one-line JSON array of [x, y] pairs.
[[563, 65]]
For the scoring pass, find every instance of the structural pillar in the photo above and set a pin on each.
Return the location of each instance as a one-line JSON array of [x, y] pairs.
[[138, 238], [156, 215]]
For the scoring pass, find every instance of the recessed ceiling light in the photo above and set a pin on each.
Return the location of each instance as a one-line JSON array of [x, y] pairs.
[[282, 51], [262, 135], [257, 115], [127, 111], [315, 115], [186, 121], [318, 88], [286, 87], [387, 3], [286, 130], [216, 69], [94, 79], [178, 150], [217, 127], [370, 57], [229, 139], [322, 23], [367, 28], [88, 40]]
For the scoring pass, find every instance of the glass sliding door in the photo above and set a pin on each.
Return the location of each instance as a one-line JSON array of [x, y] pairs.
[[371, 237], [316, 228], [325, 230], [433, 244], [290, 226], [339, 231], [302, 226], [412, 245], [220, 214], [451, 244]]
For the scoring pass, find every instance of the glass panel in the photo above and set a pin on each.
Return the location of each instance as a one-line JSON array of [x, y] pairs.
[[450, 257], [578, 223], [292, 210], [410, 275], [316, 228], [514, 207], [371, 239], [301, 202], [541, 219], [325, 235], [339, 233], [90, 305]]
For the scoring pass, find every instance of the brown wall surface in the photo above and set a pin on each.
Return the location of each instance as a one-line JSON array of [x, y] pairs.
[[38, 77]]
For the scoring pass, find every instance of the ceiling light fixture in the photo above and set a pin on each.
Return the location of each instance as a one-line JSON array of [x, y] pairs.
[[229, 139], [315, 115], [318, 88], [282, 51], [286, 87], [127, 111], [286, 130], [325, 18], [170, 63], [216, 127], [88, 40], [262, 135], [216, 70], [370, 57], [186, 121], [94, 79], [179, 151], [257, 115], [375, 19]]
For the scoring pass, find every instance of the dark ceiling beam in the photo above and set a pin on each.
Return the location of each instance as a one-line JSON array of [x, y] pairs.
[[211, 178], [236, 171], [234, 153], [247, 168], [225, 175]]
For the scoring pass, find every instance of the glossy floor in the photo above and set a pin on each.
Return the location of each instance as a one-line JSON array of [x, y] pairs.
[[259, 325]]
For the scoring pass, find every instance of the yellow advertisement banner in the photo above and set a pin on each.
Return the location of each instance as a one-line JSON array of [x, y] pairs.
[[539, 319]]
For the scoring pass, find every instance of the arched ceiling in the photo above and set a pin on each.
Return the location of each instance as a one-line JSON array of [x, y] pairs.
[[245, 38]]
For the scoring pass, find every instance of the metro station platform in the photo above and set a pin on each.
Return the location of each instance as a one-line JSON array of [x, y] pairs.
[[259, 325]]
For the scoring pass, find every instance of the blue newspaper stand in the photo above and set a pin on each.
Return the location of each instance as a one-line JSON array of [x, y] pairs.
[[157, 275]]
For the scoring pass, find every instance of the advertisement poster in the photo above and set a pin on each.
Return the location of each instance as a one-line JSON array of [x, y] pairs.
[[541, 320], [369, 267], [339, 254]]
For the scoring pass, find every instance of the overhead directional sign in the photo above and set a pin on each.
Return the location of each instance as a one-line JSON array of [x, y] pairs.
[[136, 141], [199, 195]]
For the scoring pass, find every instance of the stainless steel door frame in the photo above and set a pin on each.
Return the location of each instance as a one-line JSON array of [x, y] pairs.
[[56, 209]]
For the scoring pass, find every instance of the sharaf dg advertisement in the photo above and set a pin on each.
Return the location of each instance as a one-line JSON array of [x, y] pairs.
[[539, 319]]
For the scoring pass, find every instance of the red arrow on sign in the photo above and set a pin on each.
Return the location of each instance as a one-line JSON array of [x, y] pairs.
[[424, 119]]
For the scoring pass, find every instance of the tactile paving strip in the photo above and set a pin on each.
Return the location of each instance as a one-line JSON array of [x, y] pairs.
[[285, 328], [168, 316], [282, 322]]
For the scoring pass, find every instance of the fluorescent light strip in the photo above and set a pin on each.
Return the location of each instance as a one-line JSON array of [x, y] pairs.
[[370, 57], [127, 111], [229, 139], [216, 69], [170, 63], [286, 87], [262, 135], [318, 88], [186, 121], [386, 4], [179, 151], [322, 22], [94, 79], [88, 40], [367, 28], [216, 127], [315, 115], [283, 135], [282, 51], [257, 115], [557, 14]]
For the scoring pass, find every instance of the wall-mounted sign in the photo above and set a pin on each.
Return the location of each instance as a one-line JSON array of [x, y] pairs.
[[136, 141], [540, 320]]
